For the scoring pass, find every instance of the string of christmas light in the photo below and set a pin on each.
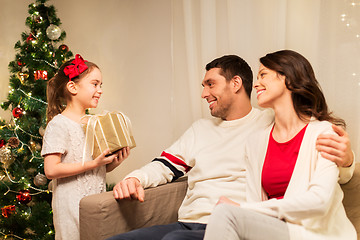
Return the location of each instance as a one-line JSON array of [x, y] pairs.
[[42, 60], [32, 157], [39, 191], [34, 136], [11, 235], [352, 9], [29, 96]]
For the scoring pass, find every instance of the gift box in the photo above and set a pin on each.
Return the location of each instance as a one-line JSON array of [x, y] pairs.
[[108, 131]]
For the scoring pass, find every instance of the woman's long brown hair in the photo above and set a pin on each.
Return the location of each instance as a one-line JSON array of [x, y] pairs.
[[308, 98]]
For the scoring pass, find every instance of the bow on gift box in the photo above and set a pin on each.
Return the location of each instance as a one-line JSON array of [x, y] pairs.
[[77, 67], [111, 130]]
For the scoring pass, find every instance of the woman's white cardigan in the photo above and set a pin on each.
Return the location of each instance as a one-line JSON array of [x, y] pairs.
[[312, 204]]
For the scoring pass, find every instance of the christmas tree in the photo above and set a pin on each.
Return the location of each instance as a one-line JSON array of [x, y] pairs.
[[25, 193]]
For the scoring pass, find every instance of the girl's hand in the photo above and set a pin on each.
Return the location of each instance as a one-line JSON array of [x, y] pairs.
[[121, 155], [223, 199], [103, 160]]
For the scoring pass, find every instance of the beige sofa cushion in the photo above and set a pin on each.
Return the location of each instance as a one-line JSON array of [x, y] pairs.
[[101, 216]]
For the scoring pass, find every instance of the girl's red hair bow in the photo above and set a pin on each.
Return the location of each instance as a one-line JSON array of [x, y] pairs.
[[77, 67]]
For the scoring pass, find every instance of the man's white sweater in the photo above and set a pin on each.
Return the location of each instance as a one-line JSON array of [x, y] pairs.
[[211, 153]]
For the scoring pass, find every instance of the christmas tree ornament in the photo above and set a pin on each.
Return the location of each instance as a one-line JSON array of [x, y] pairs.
[[30, 38], [13, 142], [24, 196], [41, 131], [53, 32], [22, 76], [31, 170], [20, 63], [41, 74], [8, 210], [5, 156], [64, 48], [38, 147], [2, 143], [40, 180], [32, 144], [30, 231], [38, 19], [17, 112], [50, 186]]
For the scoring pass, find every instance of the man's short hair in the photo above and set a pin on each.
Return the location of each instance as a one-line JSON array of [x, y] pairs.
[[233, 65]]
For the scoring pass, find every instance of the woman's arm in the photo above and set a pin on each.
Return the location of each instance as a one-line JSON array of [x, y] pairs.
[[54, 168], [311, 203]]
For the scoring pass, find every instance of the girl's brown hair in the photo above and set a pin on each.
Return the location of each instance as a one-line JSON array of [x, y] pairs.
[[57, 93], [308, 98]]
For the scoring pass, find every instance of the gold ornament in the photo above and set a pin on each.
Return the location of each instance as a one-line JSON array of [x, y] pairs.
[[42, 131], [40, 180], [22, 76], [31, 170], [30, 231], [38, 147], [5, 156], [50, 186], [32, 144], [13, 142]]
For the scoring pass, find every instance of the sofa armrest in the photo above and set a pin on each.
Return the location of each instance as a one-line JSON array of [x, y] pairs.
[[101, 216]]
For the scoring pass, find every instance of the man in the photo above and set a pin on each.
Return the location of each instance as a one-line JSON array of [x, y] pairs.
[[211, 152]]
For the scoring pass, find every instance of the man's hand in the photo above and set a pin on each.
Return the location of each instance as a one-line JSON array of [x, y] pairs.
[[223, 199], [129, 188], [336, 148]]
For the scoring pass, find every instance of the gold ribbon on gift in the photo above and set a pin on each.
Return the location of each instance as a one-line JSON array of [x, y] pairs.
[[111, 130]]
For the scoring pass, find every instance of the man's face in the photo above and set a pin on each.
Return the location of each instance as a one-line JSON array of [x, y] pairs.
[[216, 91]]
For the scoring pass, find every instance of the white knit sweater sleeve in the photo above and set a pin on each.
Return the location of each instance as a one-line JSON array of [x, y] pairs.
[[312, 203], [162, 170]]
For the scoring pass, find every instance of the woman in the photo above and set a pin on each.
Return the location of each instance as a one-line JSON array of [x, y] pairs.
[[292, 192]]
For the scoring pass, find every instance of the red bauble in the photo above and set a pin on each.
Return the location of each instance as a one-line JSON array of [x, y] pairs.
[[8, 210], [19, 63], [2, 143], [17, 112], [24, 196], [64, 48]]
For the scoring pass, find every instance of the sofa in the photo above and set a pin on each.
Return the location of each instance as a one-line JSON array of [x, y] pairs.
[[101, 216]]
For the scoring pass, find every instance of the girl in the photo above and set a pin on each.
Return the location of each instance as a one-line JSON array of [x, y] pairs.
[[292, 191], [76, 87]]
